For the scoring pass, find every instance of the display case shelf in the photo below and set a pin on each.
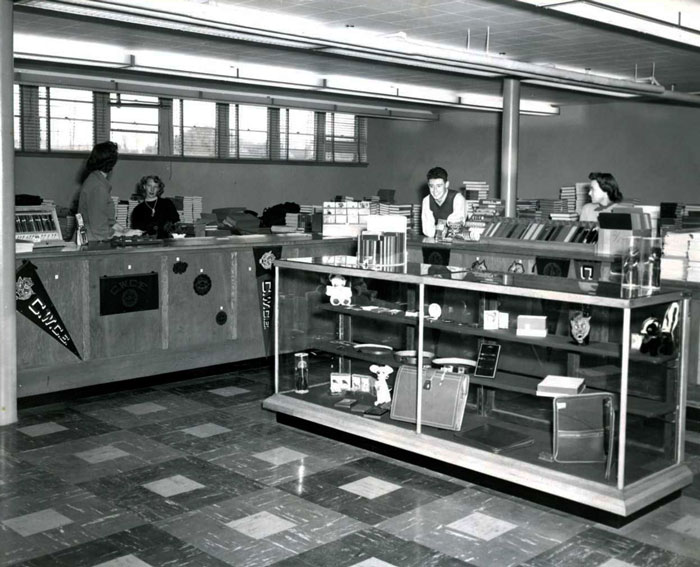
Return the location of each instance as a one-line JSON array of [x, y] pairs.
[[607, 349]]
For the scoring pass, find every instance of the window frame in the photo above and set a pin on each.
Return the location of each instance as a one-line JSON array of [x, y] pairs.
[[227, 142]]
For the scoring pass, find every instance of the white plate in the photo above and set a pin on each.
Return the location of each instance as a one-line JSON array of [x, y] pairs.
[[454, 361]]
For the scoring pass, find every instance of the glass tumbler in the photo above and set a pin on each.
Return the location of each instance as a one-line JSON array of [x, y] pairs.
[[301, 372]]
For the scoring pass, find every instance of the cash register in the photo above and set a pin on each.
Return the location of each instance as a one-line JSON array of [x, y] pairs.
[[38, 224]]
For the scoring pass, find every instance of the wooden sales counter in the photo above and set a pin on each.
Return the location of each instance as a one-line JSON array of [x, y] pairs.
[[140, 311]]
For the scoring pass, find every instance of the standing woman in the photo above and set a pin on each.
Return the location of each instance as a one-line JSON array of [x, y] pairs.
[[95, 202], [605, 195], [155, 214]]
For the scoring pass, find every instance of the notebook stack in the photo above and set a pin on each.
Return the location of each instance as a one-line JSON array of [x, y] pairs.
[[691, 216]]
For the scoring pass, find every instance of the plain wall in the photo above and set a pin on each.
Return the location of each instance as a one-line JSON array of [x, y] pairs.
[[651, 149]]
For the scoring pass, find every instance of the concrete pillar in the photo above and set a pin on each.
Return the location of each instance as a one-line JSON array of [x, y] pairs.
[[8, 318], [510, 132]]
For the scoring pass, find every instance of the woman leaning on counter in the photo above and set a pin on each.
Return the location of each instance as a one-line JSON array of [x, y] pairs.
[[155, 214], [95, 202], [605, 196]]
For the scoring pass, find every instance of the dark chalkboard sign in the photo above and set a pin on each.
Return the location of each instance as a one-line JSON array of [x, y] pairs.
[[487, 361]]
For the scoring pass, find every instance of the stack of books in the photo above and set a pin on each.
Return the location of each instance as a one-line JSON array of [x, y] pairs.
[[121, 213], [474, 191], [674, 262], [671, 214], [693, 274]]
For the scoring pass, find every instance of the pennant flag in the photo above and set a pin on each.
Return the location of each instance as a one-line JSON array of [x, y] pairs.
[[35, 304], [264, 258]]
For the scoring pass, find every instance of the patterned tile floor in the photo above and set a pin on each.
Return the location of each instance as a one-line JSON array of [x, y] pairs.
[[195, 473]]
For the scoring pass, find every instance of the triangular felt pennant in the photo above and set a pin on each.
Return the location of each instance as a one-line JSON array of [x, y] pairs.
[[35, 304], [264, 262]]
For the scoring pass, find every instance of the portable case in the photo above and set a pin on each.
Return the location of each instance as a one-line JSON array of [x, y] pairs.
[[444, 397], [580, 424]]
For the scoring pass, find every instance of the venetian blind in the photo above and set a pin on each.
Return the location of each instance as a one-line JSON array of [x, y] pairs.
[[194, 128], [57, 119], [346, 138], [17, 130], [134, 123]]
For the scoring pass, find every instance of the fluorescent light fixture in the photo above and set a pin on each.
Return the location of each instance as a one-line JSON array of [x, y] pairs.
[[38, 45], [476, 100], [570, 87], [644, 17]]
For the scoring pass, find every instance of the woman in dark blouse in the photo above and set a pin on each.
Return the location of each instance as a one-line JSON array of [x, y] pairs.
[[155, 215]]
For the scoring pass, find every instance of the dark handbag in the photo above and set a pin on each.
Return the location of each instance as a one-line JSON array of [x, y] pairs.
[[580, 426], [444, 397]]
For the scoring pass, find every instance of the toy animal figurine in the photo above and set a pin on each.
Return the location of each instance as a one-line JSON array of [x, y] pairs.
[[580, 327], [651, 336], [382, 372], [338, 292]]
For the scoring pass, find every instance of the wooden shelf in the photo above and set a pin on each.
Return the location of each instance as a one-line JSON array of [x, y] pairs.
[[610, 350]]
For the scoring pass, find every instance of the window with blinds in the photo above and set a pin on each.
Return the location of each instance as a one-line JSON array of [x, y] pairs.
[[15, 115], [134, 123], [194, 128], [252, 139], [298, 133], [346, 138], [55, 119], [64, 119]]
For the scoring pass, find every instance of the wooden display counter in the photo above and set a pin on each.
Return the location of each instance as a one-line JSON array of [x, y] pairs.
[[208, 314]]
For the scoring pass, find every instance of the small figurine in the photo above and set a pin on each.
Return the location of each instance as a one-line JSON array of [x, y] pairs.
[[580, 327], [338, 292], [651, 336], [382, 372]]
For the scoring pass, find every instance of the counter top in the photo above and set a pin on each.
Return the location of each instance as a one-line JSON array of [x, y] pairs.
[[202, 242]]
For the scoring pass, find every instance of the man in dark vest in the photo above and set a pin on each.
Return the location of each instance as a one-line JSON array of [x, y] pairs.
[[441, 203]]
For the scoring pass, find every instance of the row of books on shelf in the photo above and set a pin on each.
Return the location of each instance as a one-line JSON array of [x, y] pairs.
[[554, 231]]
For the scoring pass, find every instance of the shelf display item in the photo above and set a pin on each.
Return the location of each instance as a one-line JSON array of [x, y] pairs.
[[496, 439], [532, 326], [340, 382], [443, 397], [580, 327], [338, 292], [487, 361], [580, 426], [455, 364], [382, 388], [553, 386], [301, 373], [411, 357]]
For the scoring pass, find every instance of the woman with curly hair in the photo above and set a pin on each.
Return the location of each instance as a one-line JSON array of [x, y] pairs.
[[95, 202], [605, 195], [155, 214]]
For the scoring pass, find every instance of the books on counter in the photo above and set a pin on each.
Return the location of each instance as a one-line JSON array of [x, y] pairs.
[[554, 385], [536, 230]]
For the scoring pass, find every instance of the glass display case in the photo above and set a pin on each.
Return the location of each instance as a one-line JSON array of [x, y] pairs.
[[573, 388]]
